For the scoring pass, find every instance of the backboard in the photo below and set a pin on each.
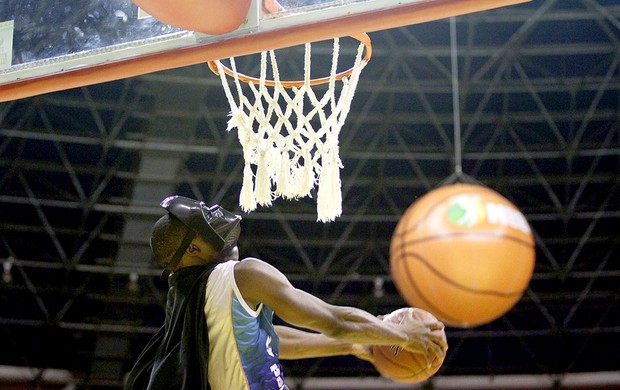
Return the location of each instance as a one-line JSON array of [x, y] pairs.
[[47, 46]]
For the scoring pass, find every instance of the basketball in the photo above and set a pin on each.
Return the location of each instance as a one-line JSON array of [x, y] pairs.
[[464, 253], [405, 366]]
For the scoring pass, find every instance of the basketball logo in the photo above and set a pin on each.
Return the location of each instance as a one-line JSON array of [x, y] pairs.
[[464, 253], [466, 211]]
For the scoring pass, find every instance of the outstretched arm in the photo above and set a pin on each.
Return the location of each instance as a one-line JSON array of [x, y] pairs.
[[298, 344], [260, 282], [207, 16]]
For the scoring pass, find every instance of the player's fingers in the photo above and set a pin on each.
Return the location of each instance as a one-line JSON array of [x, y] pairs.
[[440, 342], [435, 351], [436, 325], [417, 347], [428, 356], [396, 349], [437, 336], [363, 352]]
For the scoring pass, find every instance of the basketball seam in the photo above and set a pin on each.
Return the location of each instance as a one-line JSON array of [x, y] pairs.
[[388, 357], [465, 234], [460, 286], [433, 308]]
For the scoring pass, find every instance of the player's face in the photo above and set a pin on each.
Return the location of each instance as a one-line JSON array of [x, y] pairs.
[[203, 252], [208, 254]]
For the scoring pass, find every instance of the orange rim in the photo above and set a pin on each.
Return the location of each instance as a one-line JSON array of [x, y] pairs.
[[363, 38], [273, 6]]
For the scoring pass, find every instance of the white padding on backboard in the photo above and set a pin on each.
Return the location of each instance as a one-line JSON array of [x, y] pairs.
[[6, 44]]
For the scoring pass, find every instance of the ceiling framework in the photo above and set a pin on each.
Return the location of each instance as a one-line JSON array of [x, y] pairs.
[[82, 172]]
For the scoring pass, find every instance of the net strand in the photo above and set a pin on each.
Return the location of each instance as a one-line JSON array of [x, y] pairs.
[[288, 152]]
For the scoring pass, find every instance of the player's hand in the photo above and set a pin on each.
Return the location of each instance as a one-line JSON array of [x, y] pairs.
[[426, 338], [363, 352]]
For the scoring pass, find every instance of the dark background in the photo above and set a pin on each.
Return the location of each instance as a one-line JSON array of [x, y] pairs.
[[82, 173]]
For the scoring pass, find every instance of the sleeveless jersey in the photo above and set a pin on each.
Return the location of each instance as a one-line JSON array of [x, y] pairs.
[[243, 344]]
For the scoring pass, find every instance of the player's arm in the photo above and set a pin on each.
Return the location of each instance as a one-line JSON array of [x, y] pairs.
[[299, 344], [207, 16], [260, 282]]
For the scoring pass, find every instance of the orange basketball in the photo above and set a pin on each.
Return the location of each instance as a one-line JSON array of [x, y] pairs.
[[405, 366], [464, 253]]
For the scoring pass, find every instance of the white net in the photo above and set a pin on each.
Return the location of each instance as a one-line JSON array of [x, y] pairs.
[[290, 135]]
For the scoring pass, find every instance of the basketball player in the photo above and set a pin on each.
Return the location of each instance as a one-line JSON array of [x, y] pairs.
[[218, 329]]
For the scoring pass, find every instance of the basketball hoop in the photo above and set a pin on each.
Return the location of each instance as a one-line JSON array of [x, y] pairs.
[[293, 147]]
